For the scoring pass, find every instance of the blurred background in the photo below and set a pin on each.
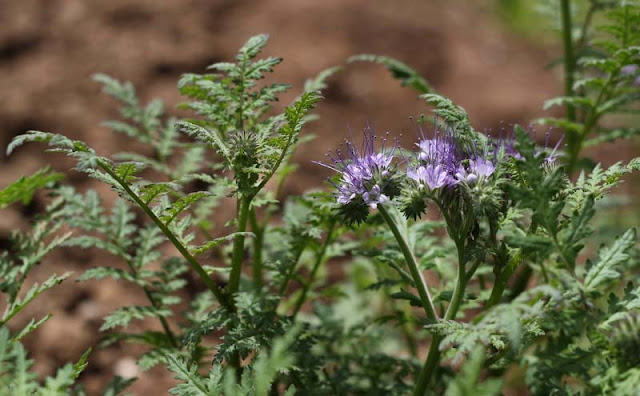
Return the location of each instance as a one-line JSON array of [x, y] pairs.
[[489, 56]]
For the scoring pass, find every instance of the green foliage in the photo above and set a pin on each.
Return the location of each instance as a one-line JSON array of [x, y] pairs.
[[327, 306], [467, 382], [27, 250], [256, 381], [599, 81], [16, 379], [23, 189], [400, 71]]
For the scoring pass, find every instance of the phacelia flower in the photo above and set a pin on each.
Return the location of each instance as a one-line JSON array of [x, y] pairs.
[[434, 176], [437, 161], [365, 173], [477, 169], [506, 147]]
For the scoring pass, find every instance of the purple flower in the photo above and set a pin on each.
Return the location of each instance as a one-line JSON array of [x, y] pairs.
[[434, 176], [363, 171], [478, 169], [374, 197], [437, 150], [438, 159]]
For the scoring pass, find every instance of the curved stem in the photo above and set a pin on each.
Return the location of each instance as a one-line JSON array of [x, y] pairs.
[[172, 238], [418, 279], [458, 291], [433, 357]]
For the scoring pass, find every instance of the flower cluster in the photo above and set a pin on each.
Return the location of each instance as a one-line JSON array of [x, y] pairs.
[[365, 173], [443, 163], [442, 166], [506, 147]]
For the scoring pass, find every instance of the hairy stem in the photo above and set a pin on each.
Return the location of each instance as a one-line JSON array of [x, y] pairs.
[[418, 278], [500, 283], [433, 357], [172, 238], [258, 242], [238, 246], [573, 144]]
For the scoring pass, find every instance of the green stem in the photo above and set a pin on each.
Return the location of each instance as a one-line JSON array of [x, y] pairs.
[[316, 266], [500, 283], [163, 320], [258, 243], [418, 279], [154, 303], [573, 144], [521, 282], [429, 367], [458, 291], [172, 238], [238, 246], [152, 300], [433, 357], [285, 283]]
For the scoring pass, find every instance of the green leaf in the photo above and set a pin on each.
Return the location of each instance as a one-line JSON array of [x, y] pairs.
[[405, 295], [109, 272], [400, 71], [35, 290], [319, 82], [31, 326], [117, 385], [215, 242], [123, 316], [467, 382], [65, 378], [193, 384], [205, 135], [606, 269], [24, 188]]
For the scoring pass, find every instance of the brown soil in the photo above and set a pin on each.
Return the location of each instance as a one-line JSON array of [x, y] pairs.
[[50, 48]]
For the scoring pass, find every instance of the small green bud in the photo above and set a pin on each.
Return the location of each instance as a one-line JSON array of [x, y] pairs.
[[413, 202]]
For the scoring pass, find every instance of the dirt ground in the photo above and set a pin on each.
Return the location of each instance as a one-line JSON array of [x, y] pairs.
[[50, 48]]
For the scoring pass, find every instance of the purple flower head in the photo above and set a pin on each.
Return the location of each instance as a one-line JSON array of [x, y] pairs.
[[478, 169], [438, 158], [434, 176], [440, 150], [363, 171], [374, 196], [506, 147]]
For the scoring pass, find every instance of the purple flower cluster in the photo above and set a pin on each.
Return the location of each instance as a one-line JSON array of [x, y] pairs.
[[442, 163], [506, 147], [364, 172], [368, 178]]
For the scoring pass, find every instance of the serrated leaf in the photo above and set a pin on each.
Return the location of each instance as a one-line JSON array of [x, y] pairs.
[[24, 188], [606, 269], [123, 316], [400, 71]]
